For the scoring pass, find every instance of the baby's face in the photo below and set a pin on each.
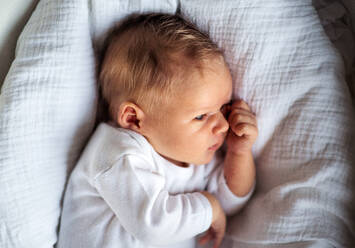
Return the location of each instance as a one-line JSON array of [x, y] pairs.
[[193, 127]]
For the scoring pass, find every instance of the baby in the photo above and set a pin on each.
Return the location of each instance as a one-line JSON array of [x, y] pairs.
[[149, 176]]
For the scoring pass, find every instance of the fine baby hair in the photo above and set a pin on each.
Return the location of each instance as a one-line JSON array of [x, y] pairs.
[[145, 59]]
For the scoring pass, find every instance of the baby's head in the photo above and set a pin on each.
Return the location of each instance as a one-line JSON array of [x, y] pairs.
[[163, 78]]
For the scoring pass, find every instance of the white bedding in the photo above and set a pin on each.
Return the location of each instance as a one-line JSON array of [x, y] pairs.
[[283, 65]]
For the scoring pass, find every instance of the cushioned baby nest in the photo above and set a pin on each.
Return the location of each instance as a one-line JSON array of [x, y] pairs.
[[282, 64]]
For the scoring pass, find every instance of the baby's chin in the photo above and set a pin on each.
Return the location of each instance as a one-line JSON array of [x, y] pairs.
[[204, 160]]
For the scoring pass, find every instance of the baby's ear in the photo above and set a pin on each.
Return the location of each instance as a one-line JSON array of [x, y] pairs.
[[130, 116]]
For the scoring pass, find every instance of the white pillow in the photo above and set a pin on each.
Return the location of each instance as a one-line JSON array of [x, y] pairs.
[[285, 67], [47, 109]]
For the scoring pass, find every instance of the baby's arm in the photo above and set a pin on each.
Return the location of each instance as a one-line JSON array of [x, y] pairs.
[[218, 226], [239, 168], [232, 180], [135, 192]]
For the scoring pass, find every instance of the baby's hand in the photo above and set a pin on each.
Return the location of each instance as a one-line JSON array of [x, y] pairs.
[[218, 226], [243, 128]]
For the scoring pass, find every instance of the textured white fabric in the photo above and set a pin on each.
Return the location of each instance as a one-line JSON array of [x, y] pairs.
[[122, 193], [285, 67], [47, 111]]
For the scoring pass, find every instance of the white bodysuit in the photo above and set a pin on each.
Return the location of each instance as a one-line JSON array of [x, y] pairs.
[[122, 193]]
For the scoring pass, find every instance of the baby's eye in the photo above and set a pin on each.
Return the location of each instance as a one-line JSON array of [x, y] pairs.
[[200, 117]]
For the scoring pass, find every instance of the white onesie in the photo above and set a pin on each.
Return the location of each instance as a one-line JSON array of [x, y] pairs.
[[122, 193]]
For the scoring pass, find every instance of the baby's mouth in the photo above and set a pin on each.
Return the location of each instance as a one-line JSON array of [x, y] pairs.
[[218, 144], [214, 147]]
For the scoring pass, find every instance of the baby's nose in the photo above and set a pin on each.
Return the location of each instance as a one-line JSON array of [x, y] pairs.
[[222, 125]]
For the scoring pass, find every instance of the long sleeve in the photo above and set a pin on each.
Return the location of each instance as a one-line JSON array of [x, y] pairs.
[[145, 209], [217, 186]]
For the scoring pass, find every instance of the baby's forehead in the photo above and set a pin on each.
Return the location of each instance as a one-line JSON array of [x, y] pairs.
[[198, 88], [200, 98]]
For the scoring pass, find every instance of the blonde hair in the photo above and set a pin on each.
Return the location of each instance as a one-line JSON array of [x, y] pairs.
[[146, 58]]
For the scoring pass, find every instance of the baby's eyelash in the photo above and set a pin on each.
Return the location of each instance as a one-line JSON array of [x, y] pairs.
[[223, 109], [200, 117]]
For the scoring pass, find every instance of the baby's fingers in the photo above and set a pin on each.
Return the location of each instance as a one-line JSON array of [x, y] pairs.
[[240, 104], [206, 237], [245, 129], [240, 116], [218, 239]]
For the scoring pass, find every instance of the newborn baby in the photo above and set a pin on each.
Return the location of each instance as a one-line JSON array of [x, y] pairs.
[[149, 176]]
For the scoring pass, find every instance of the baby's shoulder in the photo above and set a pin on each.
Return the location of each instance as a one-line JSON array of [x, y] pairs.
[[110, 145]]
